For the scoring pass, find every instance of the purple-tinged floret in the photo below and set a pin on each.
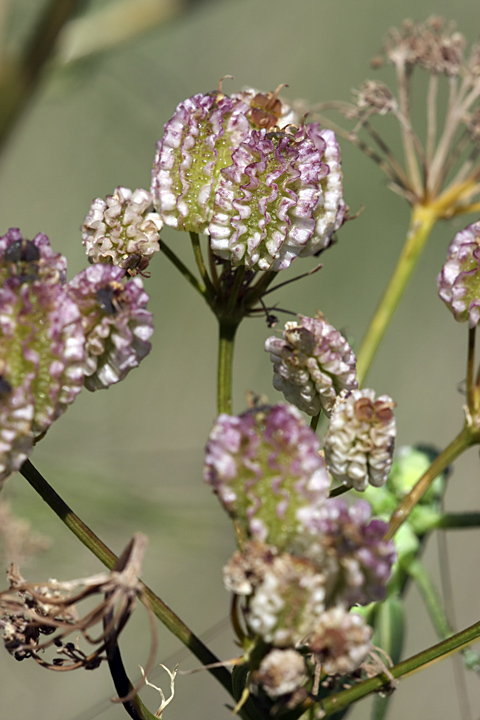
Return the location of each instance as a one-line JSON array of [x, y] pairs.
[[279, 199], [312, 364], [28, 261], [41, 344], [459, 281], [115, 320], [265, 468], [348, 547], [197, 143]]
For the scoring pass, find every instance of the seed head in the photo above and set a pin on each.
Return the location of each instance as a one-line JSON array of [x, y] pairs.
[[312, 364], [122, 230], [459, 281], [265, 468], [115, 321], [360, 439]]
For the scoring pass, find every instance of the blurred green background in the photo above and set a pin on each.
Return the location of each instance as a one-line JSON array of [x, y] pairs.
[[131, 458]]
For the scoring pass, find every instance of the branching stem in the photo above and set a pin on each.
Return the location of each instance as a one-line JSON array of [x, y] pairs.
[[108, 558]]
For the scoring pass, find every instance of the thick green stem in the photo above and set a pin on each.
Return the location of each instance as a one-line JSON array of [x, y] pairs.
[[407, 667], [422, 221], [465, 439], [457, 521], [108, 558], [227, 331]]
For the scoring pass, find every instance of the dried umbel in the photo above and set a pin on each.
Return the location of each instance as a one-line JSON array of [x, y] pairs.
[[265, 468], [434, 45], [265, 191], [122, 230], [360, 439], [459, 281], [312, 364], [437, 168], [35, 617], [115, 321]]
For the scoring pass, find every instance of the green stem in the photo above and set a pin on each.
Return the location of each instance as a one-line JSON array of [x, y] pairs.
[[457, 521], [183, 269], [471, 399], [407, 667], [429, 593], [108, 558], [422, 220], [197, 251], [464, 439], [227, 331], [20, 77]]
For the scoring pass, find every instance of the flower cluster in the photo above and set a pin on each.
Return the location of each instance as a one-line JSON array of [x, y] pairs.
[[459, 280], [304, 559], [312, 364], [56, 336], [360, 438], [122, 230], [265, 190]]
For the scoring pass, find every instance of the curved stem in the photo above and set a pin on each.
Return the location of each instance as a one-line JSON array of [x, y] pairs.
[[457, 521], [197, 251], [441, 462], [427, 657], [108, 558], [227, 331], [422, 220], [183, 269]]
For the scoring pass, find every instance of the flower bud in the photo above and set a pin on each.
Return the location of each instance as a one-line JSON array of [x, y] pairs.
[[360, 439], [265, 468], [116, 323], [341, 641], [122, 230], [459, 281], [347, 545], [288, 602], [312, 364], [280, 672], [245, 569]]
